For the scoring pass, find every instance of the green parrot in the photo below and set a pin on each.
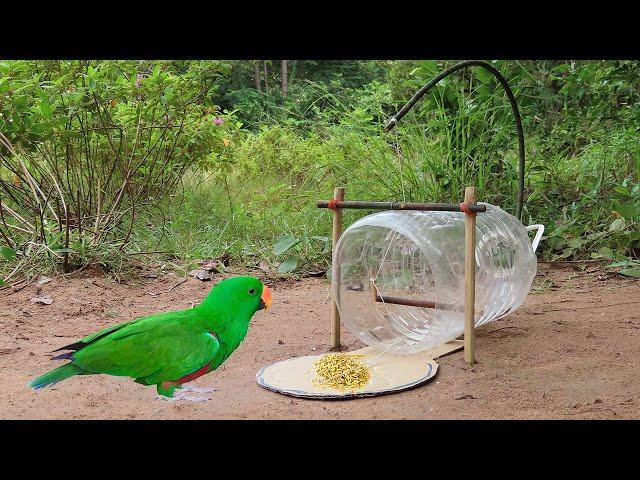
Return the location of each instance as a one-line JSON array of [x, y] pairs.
[[168, 349]]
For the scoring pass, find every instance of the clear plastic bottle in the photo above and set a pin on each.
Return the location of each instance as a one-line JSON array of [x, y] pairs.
[[420, 255]]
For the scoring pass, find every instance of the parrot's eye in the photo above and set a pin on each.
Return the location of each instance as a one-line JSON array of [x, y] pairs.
[[252, 291]]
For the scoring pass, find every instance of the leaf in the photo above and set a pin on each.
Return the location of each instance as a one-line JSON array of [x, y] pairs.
[[603, 252], [556, 243], [622, 190], [8, 253], [284, 244], [566, 252], [1, 282], [630, 272], [617, 225], [576, 243], [289, 265], [564, 67], [44, 300], [623, 263], [45, 108], [201, 274], [327, 243], [626, 210]]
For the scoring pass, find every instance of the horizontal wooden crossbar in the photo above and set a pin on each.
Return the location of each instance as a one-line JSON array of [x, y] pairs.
[[433, 207]]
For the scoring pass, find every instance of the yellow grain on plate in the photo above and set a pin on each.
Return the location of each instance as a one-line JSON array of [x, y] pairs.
[[341, 371]]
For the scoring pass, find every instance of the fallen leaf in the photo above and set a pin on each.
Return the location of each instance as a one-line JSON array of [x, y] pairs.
[[201, 274], [44, 300], [264, 266], [318, 273], [214, 266]]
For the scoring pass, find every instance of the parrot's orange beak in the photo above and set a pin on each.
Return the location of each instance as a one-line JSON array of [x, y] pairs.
[[265, 299]]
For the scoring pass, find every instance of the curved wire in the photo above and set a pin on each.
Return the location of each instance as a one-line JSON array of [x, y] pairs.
[[393, 121]]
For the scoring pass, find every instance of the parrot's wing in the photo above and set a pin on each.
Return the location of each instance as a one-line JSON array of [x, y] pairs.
[[105, 331], [151, 351], [90, 338], [114, 328]]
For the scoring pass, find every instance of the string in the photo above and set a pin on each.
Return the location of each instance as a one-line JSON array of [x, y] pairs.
[[373, 281], [382, 353]]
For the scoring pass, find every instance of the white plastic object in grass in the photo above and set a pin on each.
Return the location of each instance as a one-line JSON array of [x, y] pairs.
[[420, 255]]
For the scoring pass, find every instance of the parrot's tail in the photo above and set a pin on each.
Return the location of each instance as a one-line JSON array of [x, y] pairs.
[[56, 375]]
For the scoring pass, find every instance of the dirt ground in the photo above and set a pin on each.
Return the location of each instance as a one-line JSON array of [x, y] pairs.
[[570, 352]]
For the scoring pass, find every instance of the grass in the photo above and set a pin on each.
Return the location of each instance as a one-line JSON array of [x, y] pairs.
[[278, 176], [256, 202]]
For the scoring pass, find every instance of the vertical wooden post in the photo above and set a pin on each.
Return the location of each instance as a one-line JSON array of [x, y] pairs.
[[469, 278], [338, 195], [374, 292]]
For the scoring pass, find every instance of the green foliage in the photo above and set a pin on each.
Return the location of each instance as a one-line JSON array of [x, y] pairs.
[[176, 172], [315, 90], [98, 142], [8, 253]]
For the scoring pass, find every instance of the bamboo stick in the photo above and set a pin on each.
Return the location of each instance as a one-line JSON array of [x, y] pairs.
[[432, 207], [470, 194], [412, 302], [338, 195]]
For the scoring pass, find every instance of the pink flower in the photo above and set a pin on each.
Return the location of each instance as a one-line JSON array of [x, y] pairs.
[[138, 80], [218, 121]]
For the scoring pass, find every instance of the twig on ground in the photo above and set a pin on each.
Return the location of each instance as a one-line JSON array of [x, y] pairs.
[[596, 260], [593, 410], [150, 253], [15, 290], [166, 291]]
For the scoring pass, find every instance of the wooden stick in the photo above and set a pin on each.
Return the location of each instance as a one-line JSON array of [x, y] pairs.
[[469, 278], [338, 195], [374, 290], [412, 302], [428, 207]]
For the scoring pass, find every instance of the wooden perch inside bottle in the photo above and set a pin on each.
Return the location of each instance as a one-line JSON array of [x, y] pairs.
[[414, 302]]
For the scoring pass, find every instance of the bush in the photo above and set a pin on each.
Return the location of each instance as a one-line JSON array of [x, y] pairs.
[[96, 142]]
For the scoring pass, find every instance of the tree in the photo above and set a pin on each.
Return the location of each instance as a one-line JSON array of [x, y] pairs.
[[285, 80], [266, 78], [256, 75]]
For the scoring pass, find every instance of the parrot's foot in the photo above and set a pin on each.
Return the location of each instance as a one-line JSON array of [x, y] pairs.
[[180, 397], [191, 389]]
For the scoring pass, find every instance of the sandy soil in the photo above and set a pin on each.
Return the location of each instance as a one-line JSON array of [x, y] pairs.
[[570, 352]]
